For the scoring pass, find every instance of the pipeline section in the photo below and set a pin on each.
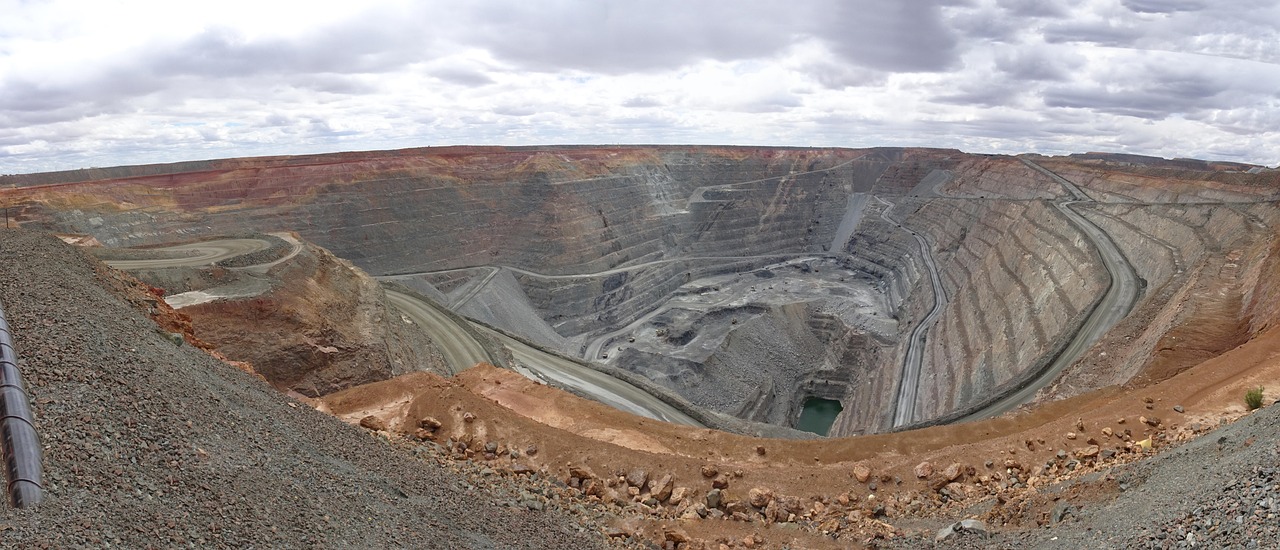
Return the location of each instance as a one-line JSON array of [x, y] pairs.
[[18, 439]]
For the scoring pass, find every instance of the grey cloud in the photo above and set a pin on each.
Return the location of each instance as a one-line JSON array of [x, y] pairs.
[[515, 110], [905, 35], [1163, 6], [618, 37], [1033, 8], [1105, 33], [357, 47], [1154, 100], [464, 76], [1024, 63], [642, 102], [838, 76], [989, 95]]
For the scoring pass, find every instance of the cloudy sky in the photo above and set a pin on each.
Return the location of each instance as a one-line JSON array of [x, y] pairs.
[[111, 82]]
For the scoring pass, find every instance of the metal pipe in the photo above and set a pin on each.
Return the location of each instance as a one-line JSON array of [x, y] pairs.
[[18, 439]]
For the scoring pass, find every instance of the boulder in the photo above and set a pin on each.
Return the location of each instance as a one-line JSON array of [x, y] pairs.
[[637, 477], [861, 472], [662, 488], [759, 497], [373, 423]]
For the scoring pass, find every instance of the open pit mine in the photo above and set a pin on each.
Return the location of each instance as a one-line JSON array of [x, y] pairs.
[[885, 288], [765, 292]]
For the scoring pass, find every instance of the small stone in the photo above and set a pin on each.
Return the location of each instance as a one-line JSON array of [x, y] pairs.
[[1153, 421], [1071, 435], [923, 470], [1179, 409], [720, 482], [709, 471], [1120, 420], [675, 535], [953, 472], [580, 471], [861, 472], [1107, 432], [1087, 452], [969, 525], [468, 417], [531, 450], [677, 495], [713, 498], [760, 450]]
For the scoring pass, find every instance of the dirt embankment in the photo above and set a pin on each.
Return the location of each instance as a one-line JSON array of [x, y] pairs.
[[150, 443], [323, 327]]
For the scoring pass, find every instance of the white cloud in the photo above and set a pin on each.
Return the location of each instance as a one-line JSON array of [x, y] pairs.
[[106, 83]]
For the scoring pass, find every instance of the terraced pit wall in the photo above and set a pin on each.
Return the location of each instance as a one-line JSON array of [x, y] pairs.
[[1017, 276]]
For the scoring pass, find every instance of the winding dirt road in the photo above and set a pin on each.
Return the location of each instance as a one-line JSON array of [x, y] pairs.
[[909, 382]]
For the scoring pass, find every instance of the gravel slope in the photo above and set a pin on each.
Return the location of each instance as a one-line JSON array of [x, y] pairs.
[[152, 444]]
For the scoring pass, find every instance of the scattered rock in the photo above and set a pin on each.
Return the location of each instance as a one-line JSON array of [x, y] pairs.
[[861, 472], [1179, 409], [373, 423], [429, 423], [677, 495], [662, 488], [759, 497], [580, 471], [1071, 435], [468, 418], [720, 482], [713, 498], [637, 477], [1107, 432], [1062, 511], [923, 470], [963, 526], [953, 472], [760, 450], [1087, 452], [709, 471], [1153, 421], [531, 450], [675, 535]]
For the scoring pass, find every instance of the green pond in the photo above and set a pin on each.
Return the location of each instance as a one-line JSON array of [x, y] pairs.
[[818, 415]]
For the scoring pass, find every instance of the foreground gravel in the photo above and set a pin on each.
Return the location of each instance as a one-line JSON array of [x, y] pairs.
[[152, 444]]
